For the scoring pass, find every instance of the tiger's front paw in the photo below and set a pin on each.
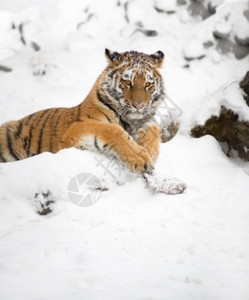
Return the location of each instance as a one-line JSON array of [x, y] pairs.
[[140, 161]]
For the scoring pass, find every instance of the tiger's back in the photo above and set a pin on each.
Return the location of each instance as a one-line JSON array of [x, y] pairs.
[[34, 134]]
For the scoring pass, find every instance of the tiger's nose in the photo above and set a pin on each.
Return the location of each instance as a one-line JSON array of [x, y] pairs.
[[138, 105]]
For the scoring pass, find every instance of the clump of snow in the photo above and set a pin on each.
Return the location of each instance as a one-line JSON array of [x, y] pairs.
[[241, 29], [162, 184], [222, 29], [166, 6]]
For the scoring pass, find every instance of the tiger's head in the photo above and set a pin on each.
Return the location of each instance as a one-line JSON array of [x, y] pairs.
[[132, 83]]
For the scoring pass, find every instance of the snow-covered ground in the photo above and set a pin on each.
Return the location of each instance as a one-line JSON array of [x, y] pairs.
[[131, 244]]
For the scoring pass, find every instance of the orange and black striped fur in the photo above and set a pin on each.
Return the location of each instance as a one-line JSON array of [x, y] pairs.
[[117, 116]]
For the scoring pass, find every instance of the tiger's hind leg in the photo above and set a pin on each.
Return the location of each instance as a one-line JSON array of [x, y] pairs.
[[94, 135]]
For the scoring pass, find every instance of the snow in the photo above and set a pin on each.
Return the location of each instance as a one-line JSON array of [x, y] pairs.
[[132, 243], [228, 21]]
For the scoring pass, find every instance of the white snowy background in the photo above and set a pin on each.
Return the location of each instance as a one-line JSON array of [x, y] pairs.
[[131, 244]]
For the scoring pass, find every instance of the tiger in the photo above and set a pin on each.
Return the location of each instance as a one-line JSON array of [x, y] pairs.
[[117, 116]]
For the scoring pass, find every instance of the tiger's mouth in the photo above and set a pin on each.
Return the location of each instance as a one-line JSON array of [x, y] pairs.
[[132, 112], [136, 115]]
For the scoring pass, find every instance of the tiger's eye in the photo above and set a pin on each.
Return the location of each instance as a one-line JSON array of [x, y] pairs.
[[147, 84], [128, 82]]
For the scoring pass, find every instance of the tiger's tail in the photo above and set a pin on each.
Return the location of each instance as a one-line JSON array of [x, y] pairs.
[[11, 144]]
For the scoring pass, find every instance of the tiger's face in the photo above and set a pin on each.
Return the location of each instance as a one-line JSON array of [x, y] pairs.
[[133, 83]]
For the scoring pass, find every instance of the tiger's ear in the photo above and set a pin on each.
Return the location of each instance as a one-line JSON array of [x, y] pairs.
[[158, 58], [112, 57]]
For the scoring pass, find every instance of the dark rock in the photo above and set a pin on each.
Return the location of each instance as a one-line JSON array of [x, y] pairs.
[[244, 84], [5, 69], [224, 46], [246, 14], [221, 35], [211, 8], [150, 32], [189, 58], [20, 28], [240, 51], [160, 10], [208, 44], [227, 128], [35, 46], [242, 41], [126, 4], [197, 8], [212, 5], [227, 46], [181, 2], [146, 32]]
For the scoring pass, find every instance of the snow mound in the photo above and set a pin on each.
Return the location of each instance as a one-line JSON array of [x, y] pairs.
[[131, 243]]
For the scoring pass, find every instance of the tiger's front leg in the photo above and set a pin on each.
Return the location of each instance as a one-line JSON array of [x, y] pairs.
[[149, 138], [94, 135]]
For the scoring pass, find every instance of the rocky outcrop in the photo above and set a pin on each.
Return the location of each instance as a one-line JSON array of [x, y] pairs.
[[228, 127]]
